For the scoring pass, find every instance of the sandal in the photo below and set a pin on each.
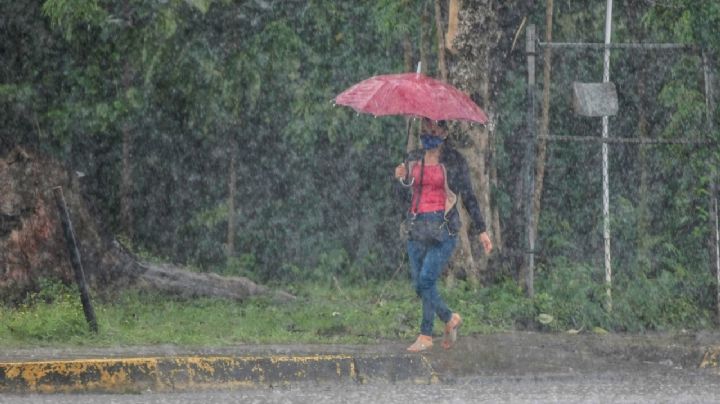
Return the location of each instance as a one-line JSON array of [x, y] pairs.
[[451, 328], [422, 343]]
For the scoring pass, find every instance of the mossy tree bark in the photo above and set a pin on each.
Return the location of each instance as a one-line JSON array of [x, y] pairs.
[[483, 45]]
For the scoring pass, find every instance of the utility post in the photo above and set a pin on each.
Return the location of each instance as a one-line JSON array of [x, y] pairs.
[[529, 164], [75, 260], [710, 123]]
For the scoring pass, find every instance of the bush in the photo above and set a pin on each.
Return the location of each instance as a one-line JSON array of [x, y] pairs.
[[575, 295]]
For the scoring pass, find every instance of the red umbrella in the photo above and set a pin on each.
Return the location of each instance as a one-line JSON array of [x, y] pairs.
[[411, 94]]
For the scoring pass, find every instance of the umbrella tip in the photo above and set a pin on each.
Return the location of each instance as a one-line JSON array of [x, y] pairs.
[[419, 68]]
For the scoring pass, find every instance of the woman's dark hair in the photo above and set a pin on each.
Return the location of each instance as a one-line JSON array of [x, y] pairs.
[[441, 124]]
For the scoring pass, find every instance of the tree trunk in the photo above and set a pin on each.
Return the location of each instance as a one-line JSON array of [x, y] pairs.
[[407, 53], [541, 155], [453, 11], [475, 265], [232, 185], [471, 72], [713, 240], [440, 31], [643, 223], [541, 151], [424, 41], [486, 29], [32, 244], [463, 260], [126, 186]]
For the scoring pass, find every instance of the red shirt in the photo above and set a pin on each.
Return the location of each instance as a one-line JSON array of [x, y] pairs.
[[433, 188]]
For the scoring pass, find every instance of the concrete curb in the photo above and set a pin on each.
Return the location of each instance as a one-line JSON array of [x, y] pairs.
[[711, 359], [127, 375]]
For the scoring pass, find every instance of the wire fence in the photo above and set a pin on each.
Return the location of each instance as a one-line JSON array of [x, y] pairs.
[[661, 174]]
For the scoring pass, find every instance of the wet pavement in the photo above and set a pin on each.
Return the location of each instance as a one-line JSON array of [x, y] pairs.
[[522, 367], [512, 352]]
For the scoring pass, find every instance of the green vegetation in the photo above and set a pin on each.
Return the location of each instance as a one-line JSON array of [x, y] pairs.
[[327, 312], [207, 136]]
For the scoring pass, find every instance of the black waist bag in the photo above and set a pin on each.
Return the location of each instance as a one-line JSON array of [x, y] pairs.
[[427, 231]]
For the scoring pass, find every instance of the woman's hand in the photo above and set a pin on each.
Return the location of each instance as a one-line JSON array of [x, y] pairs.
[[486, 242], [400, 171]]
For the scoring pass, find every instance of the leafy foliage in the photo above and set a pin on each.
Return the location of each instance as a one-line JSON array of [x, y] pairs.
[[198, 82]]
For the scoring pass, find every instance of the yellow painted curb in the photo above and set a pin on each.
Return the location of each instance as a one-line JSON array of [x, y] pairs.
[[194, 373], [711, 358]]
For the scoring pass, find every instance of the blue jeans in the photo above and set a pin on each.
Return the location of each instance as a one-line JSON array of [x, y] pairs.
[[427, 262]]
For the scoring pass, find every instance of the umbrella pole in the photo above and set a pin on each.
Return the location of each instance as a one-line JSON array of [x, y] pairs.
[[410, 145]]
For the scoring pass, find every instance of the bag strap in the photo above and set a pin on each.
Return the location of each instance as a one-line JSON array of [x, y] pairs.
[[419, 189]]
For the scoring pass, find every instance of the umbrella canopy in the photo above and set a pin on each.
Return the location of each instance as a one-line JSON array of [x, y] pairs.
[[411, 94]]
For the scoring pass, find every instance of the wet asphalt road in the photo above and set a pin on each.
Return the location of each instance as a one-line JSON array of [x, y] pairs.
[[653, 385]]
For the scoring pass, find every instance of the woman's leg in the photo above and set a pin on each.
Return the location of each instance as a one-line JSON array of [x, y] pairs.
[[433, 264], [416, 256]]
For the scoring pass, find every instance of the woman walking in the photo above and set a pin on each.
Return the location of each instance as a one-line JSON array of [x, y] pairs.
[[436, 175]]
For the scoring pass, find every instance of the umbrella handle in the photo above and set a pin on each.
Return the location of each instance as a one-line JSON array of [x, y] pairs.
[[412, 181], [405, 181]]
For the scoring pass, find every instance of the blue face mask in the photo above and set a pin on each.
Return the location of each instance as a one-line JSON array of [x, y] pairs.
[[430, 142]]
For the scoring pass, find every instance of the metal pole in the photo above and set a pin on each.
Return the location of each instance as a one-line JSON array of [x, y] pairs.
[[626, 140], [717, 255], [75, 260], [634, 46], [606, 180], [530, 163]]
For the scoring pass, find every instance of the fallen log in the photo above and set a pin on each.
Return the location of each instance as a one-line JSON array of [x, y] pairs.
[[181, 282]]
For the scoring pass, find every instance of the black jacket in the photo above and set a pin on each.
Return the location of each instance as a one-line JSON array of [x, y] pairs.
[[458, 181]]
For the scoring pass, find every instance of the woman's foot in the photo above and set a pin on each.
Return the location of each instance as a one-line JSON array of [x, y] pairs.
[[422, 343], [451, 328]]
